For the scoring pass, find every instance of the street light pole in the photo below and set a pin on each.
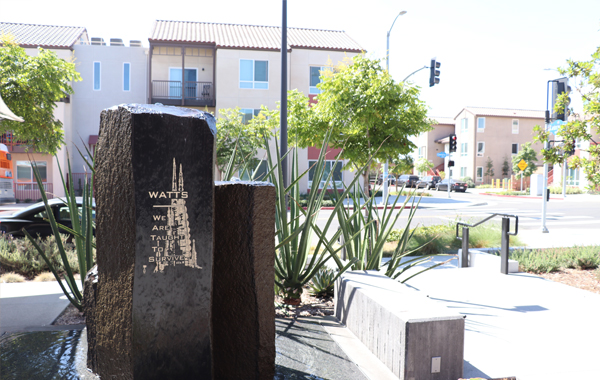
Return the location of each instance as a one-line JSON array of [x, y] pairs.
[[387, 67]]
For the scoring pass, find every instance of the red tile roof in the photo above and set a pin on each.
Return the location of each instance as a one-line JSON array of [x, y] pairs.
[[250, 36], [46, 36]]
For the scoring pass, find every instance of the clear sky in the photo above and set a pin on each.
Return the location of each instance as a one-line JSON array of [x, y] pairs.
[[492, 53]]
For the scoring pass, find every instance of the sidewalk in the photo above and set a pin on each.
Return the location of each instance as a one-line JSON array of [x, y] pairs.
[[519, 324], [30, 306]]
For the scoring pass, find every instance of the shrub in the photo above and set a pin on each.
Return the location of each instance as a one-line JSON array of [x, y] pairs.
[[554, 259], [568, 190], [11, 277], [441, 238], [20, 255], [484, 187], [44, 277], [468, 181]]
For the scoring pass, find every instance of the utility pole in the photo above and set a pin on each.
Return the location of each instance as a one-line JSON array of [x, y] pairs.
[[283, 107]]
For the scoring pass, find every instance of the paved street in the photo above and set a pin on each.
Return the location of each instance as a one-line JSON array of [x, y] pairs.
[[570, 221]]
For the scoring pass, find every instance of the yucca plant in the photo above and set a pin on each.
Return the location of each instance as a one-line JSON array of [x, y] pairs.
[[294, 266], [83, 226]]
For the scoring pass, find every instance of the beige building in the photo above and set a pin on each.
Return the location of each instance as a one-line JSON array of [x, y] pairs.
[[483, 134], [227, 66]]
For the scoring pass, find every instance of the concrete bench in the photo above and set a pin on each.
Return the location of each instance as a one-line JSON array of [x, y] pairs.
[[415, 337]]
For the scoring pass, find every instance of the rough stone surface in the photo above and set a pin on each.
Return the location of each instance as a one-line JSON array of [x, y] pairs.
[[90, 295], [155, 197], [403, 328], [243, 314]]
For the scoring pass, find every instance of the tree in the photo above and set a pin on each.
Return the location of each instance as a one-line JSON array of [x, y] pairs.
[[489, 168], [370, 115], [30, 87], [527, 154], [402, 164], [423, 165], [583, 125], [246, 138], [505, 167]]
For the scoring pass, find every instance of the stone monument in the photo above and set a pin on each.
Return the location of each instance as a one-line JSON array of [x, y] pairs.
[[166, 301], [155, 207]]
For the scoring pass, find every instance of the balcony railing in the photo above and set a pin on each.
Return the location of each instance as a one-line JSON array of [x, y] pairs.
[[194, 93], [30, 191], [9, 139]]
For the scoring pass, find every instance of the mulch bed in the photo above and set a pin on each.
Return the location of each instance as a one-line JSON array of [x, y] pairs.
[[322, 306]]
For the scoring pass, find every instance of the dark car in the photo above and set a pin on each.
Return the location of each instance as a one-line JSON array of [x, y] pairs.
[[429, 181], [391, 179], [455, 185], [408, 180], [35, 219]]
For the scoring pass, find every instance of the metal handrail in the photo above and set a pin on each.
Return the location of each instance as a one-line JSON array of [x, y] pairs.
[[504, 238], [488, 218]]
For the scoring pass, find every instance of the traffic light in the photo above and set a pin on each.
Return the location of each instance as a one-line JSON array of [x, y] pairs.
[[450, 163], [560, 86], [434, 75], [572, 150], [452, 143]]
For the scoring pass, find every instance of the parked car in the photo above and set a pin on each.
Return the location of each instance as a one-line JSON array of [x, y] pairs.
[[455, 185], [408, 180], [391, 179], [34, 218], [429, 181]]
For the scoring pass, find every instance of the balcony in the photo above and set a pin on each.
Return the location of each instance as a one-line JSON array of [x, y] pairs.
[[169, 92]]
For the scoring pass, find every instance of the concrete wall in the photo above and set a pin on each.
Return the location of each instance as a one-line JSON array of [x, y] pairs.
[[400, 326]]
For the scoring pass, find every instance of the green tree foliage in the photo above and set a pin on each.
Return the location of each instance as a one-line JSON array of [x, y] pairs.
[[489, 168], [423, 165], [368, 113], [30, 87], [584, 76], [527, 154], [402, 164], [505, 167], [246, 138]]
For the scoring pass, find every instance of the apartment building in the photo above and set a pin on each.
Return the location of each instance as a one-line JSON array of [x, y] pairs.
[[482, 134], [218, 66]]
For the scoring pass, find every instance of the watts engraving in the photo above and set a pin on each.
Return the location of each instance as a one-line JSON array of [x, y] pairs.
[[170, 237]]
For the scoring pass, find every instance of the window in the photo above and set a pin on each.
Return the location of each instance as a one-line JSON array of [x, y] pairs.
[[515, 148], [463, 171], [254, 74], [479, 174], [463, 149], [337, 174], [480, 124], [573, 177], [422, 152], [464, 125], [515, 127], [25, 174], [126, 76], [248, 114], [480, 148], [96, 76]]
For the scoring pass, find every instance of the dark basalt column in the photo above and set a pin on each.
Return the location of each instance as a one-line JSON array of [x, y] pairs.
[[243, 314], [155, 205]]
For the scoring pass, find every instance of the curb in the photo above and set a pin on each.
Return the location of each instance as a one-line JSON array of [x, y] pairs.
[[519, 196]]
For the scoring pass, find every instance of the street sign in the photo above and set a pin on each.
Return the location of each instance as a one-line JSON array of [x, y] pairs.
[[522, 165], [555, 126], [442, 154]]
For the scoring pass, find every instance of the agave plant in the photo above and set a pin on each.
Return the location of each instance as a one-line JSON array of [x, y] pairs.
[[294, 266], [323, 282], [83, 226]]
